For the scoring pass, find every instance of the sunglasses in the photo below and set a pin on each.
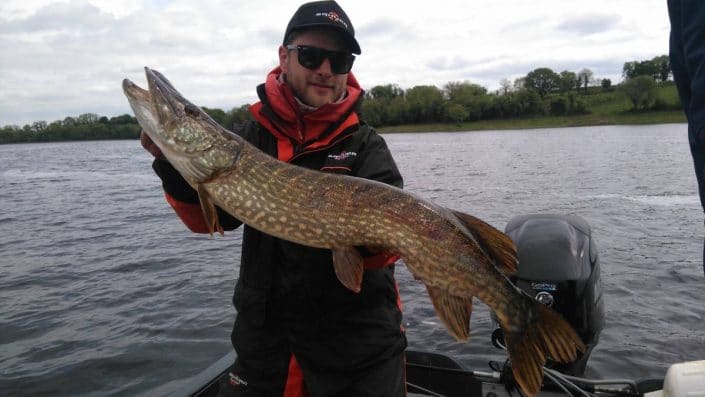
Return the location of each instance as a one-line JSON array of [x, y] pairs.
[[312, 58]]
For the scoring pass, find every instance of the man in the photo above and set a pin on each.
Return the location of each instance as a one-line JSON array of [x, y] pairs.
[[295, 319], [687, 54]]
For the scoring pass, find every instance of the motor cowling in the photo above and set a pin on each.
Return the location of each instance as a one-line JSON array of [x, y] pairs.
[[559, 266]]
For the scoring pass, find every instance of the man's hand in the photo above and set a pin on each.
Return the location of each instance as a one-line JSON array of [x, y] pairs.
[[149, 146]]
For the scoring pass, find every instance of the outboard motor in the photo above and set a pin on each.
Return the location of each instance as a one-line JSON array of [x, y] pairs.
[[559, 267]]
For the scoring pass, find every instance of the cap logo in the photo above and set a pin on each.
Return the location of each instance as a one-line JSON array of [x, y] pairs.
[[333, 16]]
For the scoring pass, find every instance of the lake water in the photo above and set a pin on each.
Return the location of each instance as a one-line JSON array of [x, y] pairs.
[[104, 291]]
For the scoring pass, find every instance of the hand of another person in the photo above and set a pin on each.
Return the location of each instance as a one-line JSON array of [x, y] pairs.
[[150, 146]]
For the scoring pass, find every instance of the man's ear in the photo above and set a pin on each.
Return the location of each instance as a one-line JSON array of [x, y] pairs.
[[283, 55]]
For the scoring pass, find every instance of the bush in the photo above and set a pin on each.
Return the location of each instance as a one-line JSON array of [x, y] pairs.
[[641, 92]]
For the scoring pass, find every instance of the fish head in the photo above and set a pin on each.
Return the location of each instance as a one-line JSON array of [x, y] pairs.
[[196, 145]]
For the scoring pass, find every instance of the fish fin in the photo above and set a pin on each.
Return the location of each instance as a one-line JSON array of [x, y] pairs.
[[210, 214], [349, 267], [454, 311], [547, 335], [496, 244]]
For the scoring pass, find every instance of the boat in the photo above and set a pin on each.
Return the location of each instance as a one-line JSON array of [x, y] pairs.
[[434, 374], [559, 266]]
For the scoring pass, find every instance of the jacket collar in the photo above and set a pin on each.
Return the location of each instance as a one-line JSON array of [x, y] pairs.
[[307, 128]]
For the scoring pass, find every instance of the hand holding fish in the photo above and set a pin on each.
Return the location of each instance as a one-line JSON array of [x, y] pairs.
[[149, 145]]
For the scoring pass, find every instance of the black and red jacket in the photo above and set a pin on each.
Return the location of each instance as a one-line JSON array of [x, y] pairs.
[[287, 296]]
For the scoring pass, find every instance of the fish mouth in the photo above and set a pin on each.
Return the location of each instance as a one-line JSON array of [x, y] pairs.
[[155, 109], [140, 101], [191, 141], [134, 92], [167, 100]]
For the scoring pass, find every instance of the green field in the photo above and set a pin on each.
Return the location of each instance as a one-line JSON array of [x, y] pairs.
[[606, 108]]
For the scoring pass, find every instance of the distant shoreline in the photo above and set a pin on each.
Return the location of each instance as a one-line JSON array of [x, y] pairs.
[[586, 120], [596, 107]]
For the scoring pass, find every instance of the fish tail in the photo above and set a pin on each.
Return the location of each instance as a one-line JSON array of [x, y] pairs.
[[546, 335]]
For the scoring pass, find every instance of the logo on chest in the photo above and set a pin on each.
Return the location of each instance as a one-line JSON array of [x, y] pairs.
[[340, 163], [342, 156]]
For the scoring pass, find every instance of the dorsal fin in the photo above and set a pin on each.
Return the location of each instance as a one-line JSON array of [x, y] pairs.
[[496, 244]]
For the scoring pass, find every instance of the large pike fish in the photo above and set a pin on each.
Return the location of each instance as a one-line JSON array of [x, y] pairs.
[[456, 255]]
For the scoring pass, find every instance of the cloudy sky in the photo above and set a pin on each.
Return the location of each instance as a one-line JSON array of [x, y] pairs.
[[65, 58]]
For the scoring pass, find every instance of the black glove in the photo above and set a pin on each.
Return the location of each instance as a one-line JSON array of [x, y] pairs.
[[173, 183]]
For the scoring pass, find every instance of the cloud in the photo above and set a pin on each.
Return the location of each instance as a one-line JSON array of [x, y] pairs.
[[69, 58], [449, 63], [64, 58], [589, 24], [61, 17], [380, 27]]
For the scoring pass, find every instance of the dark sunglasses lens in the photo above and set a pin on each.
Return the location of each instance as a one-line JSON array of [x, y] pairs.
[[312, 58], [340, 63]]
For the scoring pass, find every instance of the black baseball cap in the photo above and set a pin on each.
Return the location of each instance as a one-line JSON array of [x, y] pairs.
[[324, 14]]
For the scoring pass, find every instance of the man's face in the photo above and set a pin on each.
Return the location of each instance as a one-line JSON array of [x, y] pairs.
[[316, 87]]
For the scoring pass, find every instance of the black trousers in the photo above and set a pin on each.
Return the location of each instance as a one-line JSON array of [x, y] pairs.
[[386, 379], [264, 351]]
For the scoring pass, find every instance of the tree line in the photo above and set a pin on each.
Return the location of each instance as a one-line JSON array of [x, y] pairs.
[[541, 92], [87, 126]]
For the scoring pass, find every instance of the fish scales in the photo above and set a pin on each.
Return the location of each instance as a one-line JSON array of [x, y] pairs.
[[331, 210]]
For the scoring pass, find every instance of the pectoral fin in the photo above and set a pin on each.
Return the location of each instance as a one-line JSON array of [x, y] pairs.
[[349, 267], [496, 244], [454, 311], [209, 212]]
